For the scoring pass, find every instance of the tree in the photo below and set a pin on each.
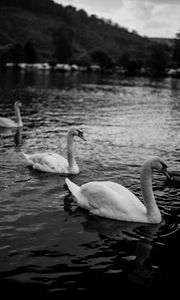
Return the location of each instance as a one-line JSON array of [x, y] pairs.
[[63, 40], [157, 61], [3, 59], [124, 60], [30, 53], [81, 59], [6, 51], [130, 65], [100, 57], [176, 51], [16, 53]]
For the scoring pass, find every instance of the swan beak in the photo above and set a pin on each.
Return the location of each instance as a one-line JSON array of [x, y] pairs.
[[81, 135], [83, 138], [165, 172]]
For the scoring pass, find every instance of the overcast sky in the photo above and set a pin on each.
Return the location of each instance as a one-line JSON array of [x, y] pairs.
[[151, 18]]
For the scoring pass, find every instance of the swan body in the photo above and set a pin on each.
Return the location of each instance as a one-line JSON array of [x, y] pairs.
[[55, 163], [47, 162], [112, 200], [8, 123]]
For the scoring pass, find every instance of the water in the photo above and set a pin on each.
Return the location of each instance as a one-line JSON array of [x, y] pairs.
[[47, 244]]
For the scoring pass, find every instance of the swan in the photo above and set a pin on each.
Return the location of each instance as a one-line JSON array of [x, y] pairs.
[[112, 200], [6, 122], [55, 163]]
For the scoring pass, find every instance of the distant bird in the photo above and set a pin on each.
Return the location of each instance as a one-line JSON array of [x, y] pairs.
[[55, 163], [8, 123], [112, 200]]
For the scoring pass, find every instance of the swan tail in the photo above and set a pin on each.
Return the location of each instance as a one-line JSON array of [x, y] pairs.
[[27, 157], [77, 193], [74, 188]]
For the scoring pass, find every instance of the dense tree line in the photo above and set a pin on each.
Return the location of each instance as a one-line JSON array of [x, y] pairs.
[[16, 53], [176, 51], [88, 33], [85, 40]]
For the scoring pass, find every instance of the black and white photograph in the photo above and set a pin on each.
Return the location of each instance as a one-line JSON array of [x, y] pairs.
[[89, 149]]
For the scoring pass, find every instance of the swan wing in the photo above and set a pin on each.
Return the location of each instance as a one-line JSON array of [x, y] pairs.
[[5, 122], [81, 200], [112, 200], [48, 162]]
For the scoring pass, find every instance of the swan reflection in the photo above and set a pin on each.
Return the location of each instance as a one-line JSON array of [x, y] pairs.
[[18, 137], [140, 270], [10, 134], [139, 238]]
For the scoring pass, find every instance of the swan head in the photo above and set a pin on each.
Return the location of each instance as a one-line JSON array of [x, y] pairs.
[[77, 132], [157, 163], [17, 104]]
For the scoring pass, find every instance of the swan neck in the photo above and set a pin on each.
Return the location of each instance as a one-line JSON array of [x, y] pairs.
[[18, 115], [147, 192]]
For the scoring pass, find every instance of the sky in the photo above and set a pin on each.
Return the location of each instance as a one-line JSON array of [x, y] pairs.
[[151, 18]]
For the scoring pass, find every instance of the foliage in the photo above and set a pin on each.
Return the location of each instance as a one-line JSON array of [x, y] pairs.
[[157, 61], [68, 35], [81, 59], [16, 53], [176, 51], [89, 32], [124, 60], [30, 53], [63, 40], [101, 58]]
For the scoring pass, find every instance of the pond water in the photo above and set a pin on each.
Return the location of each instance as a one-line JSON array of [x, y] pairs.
[[47, 244]]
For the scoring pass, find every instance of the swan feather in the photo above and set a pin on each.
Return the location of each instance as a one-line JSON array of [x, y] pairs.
[[47, 162], [112, 200], [5, 122], [55, 163], [8, 123], [107, 199]]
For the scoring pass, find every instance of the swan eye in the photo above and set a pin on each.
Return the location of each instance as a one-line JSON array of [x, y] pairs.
[[80, 133], [18, 103]]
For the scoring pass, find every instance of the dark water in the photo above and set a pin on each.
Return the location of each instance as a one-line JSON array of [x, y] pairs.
[[48, 245]]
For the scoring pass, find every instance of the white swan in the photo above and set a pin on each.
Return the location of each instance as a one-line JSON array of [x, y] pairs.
[[8, 123], [55, 163], [112, 200]]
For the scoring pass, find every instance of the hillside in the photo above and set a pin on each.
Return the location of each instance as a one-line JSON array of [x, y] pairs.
[[165, 41], [18, 25], [58, 32]]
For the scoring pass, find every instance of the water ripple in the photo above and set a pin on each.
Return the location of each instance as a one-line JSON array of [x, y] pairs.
[[45, 238]]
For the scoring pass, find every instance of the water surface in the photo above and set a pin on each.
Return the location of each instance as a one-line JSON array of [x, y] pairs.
[[49, 245]]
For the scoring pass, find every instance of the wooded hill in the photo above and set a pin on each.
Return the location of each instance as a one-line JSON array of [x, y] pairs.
[[65, 34]]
